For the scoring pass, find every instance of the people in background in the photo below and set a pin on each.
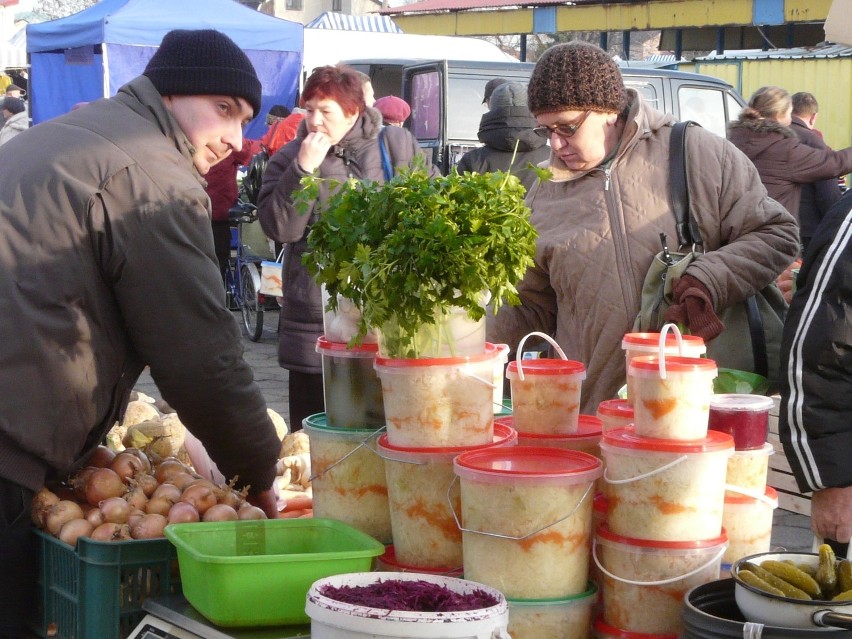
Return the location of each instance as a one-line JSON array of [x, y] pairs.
[[107, 266], [819, 196], [338, 141], [14, 91], [600, 216], [492, 84], [783, 161], [15, 118], [394, 110], [507, 132], [815, 419], [367, 88], [282, 130]]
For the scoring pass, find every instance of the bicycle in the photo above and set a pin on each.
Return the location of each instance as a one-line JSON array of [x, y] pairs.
[[242, 273]]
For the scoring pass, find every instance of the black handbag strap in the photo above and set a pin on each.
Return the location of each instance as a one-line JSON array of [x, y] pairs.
[[689, 233]]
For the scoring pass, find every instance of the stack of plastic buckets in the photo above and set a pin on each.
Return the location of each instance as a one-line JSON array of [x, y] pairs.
[[665, 494], [526, 512], [749, 502], [437, 406], [348, 482]]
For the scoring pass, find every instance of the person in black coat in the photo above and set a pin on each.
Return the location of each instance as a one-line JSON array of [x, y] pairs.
[[507, 123], [815, 420]]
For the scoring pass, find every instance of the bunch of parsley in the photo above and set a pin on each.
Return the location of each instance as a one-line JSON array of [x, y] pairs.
[[408, 250]]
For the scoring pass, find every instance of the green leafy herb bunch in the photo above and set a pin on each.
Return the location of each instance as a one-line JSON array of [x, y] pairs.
[[409, 250]]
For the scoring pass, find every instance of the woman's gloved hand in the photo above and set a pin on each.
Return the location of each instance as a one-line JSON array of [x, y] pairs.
[[693, 307]]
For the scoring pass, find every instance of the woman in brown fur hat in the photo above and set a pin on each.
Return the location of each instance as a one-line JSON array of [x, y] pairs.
[[601, 215]]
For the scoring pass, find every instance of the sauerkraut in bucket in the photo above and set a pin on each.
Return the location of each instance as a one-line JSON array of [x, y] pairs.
[[748, 521], [420, 493], [567, 618], [348, 480], [644, 582], [749, 469], [527, 519], [645, 344], [615, 413], [545, 392], [665, 490], [439, 402]]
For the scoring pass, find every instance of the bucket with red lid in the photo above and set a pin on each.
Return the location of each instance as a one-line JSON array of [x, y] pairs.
[[666, 490], [351, 389], [645, 344], [527, 519], [615, 413], [545, 392], [747, 518], [422, 496]]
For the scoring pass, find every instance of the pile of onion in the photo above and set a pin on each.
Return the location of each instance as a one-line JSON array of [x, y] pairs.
[[130, 496]]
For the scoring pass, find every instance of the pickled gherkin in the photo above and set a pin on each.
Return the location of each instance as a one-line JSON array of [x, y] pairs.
[[826, 574], [753, 580], [844, 575], [786, 588], [793, 575]]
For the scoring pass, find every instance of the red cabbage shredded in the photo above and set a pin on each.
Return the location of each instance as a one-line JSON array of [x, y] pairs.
[[411, 596]]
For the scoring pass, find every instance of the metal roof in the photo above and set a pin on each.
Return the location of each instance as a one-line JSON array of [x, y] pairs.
[[797, 53], [434, 6], [347, 22]]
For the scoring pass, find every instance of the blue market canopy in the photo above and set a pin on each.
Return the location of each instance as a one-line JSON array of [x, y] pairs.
[[345, 22], [92, 53]]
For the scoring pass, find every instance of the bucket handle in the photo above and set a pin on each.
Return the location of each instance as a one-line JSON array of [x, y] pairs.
[[748, 492], [662, 345], [513, 538], [650, 473], [546, 337], [660, 582], [752, 630], [361, 444]]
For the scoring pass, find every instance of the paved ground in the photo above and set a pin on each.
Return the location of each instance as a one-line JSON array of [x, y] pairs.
[[791, 531]]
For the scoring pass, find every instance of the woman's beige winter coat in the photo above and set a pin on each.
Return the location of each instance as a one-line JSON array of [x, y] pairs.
[[600, 229]]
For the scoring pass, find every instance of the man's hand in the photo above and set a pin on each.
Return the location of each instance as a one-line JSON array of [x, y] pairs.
[[267, 501], [831, 514]]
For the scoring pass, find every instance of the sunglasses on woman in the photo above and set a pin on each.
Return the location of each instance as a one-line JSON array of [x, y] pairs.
[[562, 130]]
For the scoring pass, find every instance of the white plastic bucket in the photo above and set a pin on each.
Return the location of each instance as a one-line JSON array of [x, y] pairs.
[[644, 582], [643, 344], [748, 522], [672, 396], [419, 481], [749, 469], [348, 482], [566, 618], [439, 402], [527, 519], [332, 619], [454, 334], [545, 392], [615, 413], [351, 389], [666, 490]]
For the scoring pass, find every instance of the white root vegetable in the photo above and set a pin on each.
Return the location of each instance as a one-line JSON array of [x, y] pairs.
[[299, 468]]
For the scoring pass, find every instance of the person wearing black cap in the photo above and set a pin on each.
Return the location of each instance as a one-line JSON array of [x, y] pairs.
[[15, 118], [492, 84], [601, 214], [107, 266]]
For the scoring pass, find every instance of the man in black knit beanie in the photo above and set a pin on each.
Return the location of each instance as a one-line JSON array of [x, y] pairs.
[[107, 266]]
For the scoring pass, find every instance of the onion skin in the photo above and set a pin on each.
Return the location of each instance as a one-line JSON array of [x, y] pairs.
[[147, 483], [102, 484], [159, 506], [111, 532], [169, 491], [59, 513], [183, 480], [74, 529], [169, 467], [126, 465], [101, 457], [220, 512], [95, 517], [251, 512], [201, 497], [115, 510], [42, 500], [149, 527], [136, 498], [146, 463], [183, 513]]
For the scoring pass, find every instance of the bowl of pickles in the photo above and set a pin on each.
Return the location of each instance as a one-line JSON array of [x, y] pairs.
[[794, 589]]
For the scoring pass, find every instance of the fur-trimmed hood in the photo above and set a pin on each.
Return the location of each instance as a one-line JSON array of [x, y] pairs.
[[762, 125]]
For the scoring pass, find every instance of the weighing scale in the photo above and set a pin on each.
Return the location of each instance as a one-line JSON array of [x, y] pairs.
[[173, 617]]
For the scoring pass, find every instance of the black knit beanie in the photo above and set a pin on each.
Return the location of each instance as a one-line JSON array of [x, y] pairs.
[[203, 62], [576, 77]]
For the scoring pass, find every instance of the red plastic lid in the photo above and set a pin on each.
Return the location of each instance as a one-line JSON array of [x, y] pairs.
[[389, 558], [528, 462], [626, 437], [674, 364], [604, 533], [491, 352], [588, 427], [631, 340], [547, 366], [342, 347], [503, 436], [602, 627], [732, 497], [616, 408]]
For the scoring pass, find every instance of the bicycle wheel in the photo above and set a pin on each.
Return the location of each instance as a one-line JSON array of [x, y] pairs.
[[250, 305]]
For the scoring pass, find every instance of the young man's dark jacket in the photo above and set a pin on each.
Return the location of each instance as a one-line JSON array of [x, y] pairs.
[[107, 264], [499, 129]]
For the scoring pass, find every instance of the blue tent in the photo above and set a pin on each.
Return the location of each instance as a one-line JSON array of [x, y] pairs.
[[90, 54]]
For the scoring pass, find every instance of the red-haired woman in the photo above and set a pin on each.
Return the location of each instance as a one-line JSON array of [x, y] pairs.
[[338, 139]]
